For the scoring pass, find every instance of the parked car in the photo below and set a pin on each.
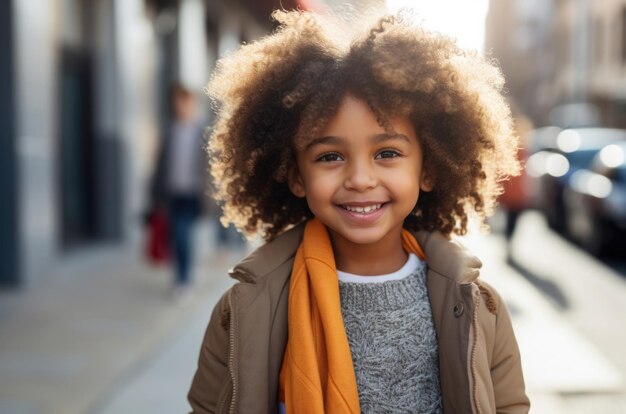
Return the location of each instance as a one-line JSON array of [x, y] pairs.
[[595, 202], [560, 157]]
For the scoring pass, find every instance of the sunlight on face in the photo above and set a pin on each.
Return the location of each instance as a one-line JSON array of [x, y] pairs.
[[460, 19]]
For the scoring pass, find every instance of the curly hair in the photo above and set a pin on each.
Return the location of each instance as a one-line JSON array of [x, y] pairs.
[[275, 94]]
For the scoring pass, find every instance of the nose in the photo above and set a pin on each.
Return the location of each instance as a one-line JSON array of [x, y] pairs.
[[360, 176]]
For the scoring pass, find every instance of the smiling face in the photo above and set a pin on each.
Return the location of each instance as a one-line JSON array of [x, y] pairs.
[[358, 179]]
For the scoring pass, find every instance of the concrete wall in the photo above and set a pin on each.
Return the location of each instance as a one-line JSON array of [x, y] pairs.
[[608, 75], [135, 54], [124, 121], [36, 123]]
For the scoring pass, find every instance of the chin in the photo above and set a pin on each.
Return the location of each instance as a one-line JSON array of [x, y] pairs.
[[363, 237]]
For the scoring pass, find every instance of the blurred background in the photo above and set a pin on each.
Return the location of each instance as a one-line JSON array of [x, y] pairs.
[[88, 321]]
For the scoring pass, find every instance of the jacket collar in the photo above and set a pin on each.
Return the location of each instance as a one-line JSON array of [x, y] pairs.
[[449, 258], [446, 257], [269, 256]]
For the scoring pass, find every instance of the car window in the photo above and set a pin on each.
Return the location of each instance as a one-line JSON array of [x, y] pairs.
[[620, 174], [580, 158]]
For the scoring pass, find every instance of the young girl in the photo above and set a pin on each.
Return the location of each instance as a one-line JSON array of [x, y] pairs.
[[356, 156]]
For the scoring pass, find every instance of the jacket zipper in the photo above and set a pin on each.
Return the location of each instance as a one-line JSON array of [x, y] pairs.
[[473, 341], [232, 361], [231, 356]]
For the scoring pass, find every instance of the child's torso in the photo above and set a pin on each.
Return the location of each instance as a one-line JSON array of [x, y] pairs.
[[392, 340]]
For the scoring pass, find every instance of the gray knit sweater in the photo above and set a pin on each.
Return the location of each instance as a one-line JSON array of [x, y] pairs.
[[393, 344]]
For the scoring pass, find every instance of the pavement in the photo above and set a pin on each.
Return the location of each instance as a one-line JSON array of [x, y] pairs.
[[75, 339], [564, 371], [102, 336]]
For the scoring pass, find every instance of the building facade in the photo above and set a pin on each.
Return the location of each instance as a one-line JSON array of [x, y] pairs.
[[564, 60], [607, 83], [86, 86]]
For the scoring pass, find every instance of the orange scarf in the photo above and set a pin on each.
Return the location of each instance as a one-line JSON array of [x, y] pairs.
[[317, 375]]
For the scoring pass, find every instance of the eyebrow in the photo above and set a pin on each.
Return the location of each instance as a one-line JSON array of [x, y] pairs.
[[333, 140]]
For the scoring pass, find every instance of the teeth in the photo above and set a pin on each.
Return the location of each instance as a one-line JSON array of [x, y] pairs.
[[363, 210]]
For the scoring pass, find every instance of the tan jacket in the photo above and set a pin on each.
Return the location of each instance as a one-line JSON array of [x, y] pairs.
[[242, 351]]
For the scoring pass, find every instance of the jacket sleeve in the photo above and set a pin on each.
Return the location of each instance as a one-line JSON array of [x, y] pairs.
[[211, 378], [506, 367]]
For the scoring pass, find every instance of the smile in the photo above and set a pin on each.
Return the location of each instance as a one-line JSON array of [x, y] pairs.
[[363, 209]]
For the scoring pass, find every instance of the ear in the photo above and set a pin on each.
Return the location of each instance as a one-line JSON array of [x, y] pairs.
[[427, 181], [296, 184]]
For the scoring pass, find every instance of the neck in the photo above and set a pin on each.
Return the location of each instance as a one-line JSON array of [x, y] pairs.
[[383, 257]]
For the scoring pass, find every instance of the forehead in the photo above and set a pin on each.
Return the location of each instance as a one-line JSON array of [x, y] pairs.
[[352, 112], [346, 115], [354, 117]]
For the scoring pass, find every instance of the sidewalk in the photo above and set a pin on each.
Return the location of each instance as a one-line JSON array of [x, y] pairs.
[[558, 361], [160, 384], [71, 340], [564, 372]]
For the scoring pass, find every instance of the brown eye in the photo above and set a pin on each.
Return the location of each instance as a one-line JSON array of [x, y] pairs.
[[331, 157], [387, 154]]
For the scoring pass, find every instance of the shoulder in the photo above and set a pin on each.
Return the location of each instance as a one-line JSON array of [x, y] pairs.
[[449, 258], [261, 275], [492, 298], [269, 257]]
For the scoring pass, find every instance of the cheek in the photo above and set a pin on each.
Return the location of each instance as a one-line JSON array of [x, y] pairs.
[[319, 189], [405, 180], [405, 189]]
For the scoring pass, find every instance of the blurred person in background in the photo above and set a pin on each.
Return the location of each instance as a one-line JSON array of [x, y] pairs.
[[179, 182], [515, 198]]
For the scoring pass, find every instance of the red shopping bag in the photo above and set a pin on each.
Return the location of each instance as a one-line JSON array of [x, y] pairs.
[[158, 249]]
